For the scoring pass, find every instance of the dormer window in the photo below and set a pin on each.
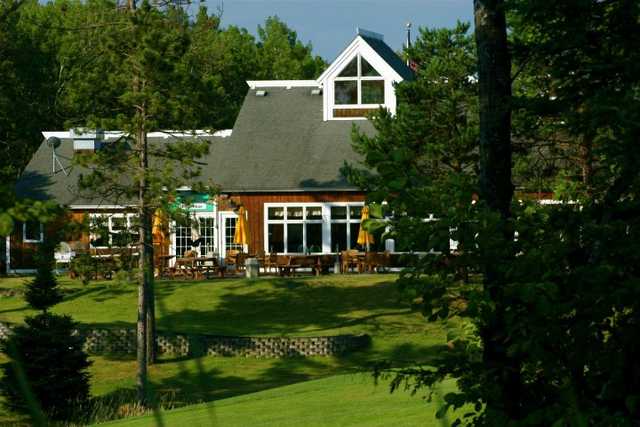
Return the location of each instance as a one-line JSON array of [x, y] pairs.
[[358, 89]]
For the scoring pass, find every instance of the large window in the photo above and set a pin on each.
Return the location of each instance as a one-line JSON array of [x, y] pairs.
[[294, 229], [358, 89], [198, 234], [113, 230], [311, 227], [345, 224]]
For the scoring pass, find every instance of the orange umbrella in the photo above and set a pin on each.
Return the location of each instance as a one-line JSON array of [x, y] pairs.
[[241, 236], [364, 238]]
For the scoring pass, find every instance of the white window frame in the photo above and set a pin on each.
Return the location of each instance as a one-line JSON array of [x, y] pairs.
[[358, 79], [24, 233], [197, 215], [109, 217], [224, 215], [326, 222]]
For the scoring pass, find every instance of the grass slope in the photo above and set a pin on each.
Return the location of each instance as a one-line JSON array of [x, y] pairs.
[[346, 400], [300, 306], [327, 305]]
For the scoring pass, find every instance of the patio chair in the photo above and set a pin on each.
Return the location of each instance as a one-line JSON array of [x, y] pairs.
[[267, 261], [349, 259], [231, 258], [241, 257], [375, 261]]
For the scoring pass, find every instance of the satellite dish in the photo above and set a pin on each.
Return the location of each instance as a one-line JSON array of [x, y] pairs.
[[53, 142]]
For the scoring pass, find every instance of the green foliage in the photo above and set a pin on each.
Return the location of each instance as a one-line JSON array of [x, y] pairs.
[[46, 372], [50, 359], [578, 88], [26, 88], [565, 311], [84, 266], [281, 56], [43, 292], [430, 144]]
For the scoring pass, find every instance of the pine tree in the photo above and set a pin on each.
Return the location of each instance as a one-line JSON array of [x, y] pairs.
[[46, 375], [43, 292]]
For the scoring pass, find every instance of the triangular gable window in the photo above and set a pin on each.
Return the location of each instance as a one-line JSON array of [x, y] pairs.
[[367, 69], [350, 70], [358, 89]]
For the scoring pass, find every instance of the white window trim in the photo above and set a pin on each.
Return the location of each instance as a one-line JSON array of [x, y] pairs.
[[197, 215], [223, 233], [359, 78], [109, 217], [326, 222], [24, 234]]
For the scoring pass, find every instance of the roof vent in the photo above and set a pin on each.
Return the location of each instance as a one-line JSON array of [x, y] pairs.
[[316, 92], [261, 93]]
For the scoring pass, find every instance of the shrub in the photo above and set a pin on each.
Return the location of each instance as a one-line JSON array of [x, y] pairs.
[[46, 372], [49, 356], [42, 292], [84, 267]]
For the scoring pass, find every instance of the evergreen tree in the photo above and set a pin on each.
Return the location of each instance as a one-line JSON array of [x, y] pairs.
[[151, 88], [43, 292], [46, 375], [551, 320], [281, 56]]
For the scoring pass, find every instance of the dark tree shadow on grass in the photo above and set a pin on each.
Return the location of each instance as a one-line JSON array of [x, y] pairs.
[[288, 307]]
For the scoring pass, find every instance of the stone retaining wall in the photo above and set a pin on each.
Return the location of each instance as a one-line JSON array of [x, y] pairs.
[[123, 341]]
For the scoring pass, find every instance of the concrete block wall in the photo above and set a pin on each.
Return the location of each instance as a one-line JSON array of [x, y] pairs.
[[123, 341]]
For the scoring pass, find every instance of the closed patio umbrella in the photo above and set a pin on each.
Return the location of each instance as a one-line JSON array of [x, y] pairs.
[[241, 236], [159, 227], [364, 238]]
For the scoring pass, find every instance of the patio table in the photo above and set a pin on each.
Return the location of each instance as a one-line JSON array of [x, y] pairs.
[[206, 265]]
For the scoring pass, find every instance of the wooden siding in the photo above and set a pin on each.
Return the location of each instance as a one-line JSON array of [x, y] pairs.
[[254, 203], [22, 253]]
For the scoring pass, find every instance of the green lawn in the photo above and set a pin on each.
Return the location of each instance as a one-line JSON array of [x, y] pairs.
[[300, 306], [345, 400]]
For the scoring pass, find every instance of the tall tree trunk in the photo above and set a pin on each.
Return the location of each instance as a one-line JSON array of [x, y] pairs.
[[494, 72], [496, 189], [151, 305], [142, 274]]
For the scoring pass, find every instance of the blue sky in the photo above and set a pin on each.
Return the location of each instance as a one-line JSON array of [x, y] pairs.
[[331, 24]]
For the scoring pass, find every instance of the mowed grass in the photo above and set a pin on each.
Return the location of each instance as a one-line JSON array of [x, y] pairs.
[[306, 306], [345, 400]]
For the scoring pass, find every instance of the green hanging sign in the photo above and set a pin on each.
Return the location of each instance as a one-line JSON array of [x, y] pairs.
[[195, 202]]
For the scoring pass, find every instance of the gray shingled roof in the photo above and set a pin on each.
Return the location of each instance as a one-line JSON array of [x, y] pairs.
[[279, 143], [40, 183], [390, 57]]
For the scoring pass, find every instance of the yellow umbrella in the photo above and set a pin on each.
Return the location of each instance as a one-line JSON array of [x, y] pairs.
[[241, 236], [158, 231], [364, 238], [159, 226]]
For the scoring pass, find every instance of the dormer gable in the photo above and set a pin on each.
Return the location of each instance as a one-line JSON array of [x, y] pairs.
[[362, 79]]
